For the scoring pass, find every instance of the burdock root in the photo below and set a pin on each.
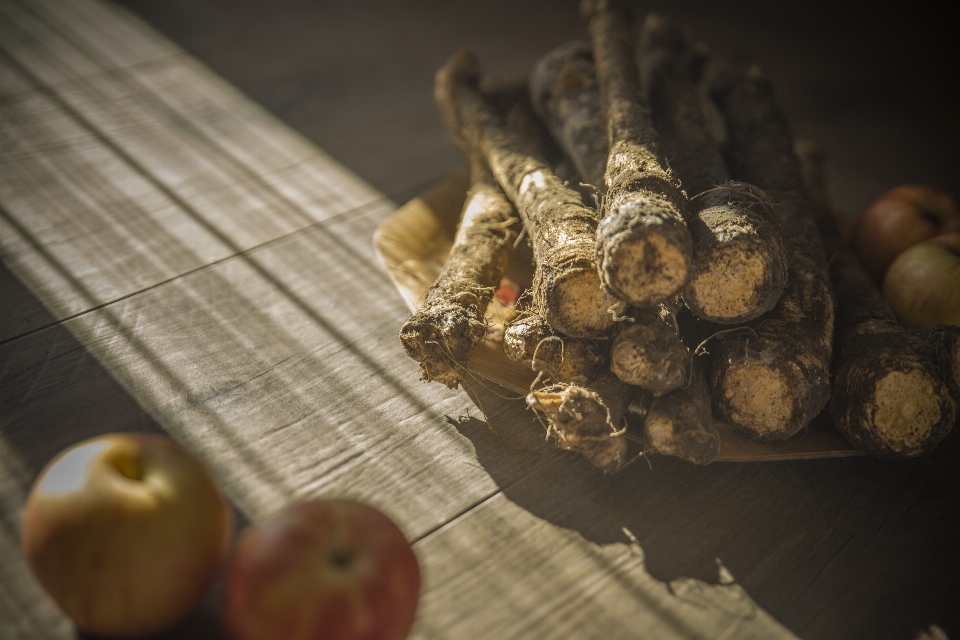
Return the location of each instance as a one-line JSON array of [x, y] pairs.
[[560, 358], [896, 391], [566, 286], [643, 245], [772, 379], [443, 333], [563, 90], [680, 423], [648, 352], [588, 419], [739, 268]]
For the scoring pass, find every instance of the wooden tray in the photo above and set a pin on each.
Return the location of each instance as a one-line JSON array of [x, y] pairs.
[[413, 244]]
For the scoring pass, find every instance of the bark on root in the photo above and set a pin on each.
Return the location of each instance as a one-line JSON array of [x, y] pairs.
[[892, 393], [739, 268], [588, 419], [772, 381], [564, 93], [896, 391], [681, 423], [566, 287], [643, 245], [560, 358], [648, 352], [443, 333]]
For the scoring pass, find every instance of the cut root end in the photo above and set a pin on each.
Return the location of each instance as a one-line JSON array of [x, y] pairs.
[[907, 410], [578, 306], [756, 398]]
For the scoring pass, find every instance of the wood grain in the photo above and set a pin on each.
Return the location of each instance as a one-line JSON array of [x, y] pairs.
[[210, 274]]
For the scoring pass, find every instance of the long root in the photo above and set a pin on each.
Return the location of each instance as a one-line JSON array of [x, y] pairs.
[[643, 245], [681, 424], [896, 391], [562, 359], [566, 286], [770, 383], [739, 268]]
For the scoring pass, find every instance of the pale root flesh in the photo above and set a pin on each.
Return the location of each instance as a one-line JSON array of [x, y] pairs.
[[908, 408], [761, 400], [728, 286], [660, 435], [577, 305], [649, 268]]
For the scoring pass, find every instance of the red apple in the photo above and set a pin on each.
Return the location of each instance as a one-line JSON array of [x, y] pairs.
[[922, 285], [126, 532], [899, 219], [331, 569]]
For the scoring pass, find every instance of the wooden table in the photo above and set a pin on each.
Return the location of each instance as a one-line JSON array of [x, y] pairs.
[[177, 258]]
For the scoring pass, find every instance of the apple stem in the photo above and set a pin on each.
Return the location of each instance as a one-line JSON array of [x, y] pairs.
[[342, 558], [129, 467]]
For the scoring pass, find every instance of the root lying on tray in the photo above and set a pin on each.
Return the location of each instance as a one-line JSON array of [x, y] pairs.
[[566, 286], [647, 351], [562, 359], [588, 419], [643, 245], [680, 423], [772, 381], [446, 329], [896, 391], [739, 268], [564, 92]]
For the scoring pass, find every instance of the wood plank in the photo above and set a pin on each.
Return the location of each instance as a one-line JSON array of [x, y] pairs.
[[139, 91], [282, 368], [810, 541], [20, 313], [139, 186], [502, 572]]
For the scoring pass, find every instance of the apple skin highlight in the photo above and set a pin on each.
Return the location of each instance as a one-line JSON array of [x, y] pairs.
[[126, 532]]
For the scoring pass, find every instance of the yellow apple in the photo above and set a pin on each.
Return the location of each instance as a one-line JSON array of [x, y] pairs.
[[325, 569], [126, 532], [922, 285]]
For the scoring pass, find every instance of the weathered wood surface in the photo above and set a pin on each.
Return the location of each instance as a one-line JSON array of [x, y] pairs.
[[176, 259]]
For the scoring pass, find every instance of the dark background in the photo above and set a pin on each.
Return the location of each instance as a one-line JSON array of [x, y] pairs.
[[875, 83]]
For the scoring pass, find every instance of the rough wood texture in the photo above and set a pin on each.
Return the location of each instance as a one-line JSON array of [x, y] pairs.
[[830, 548]]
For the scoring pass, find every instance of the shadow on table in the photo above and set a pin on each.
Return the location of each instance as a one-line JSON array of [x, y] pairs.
[[201, 625], [35, 351], [839, 548]]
